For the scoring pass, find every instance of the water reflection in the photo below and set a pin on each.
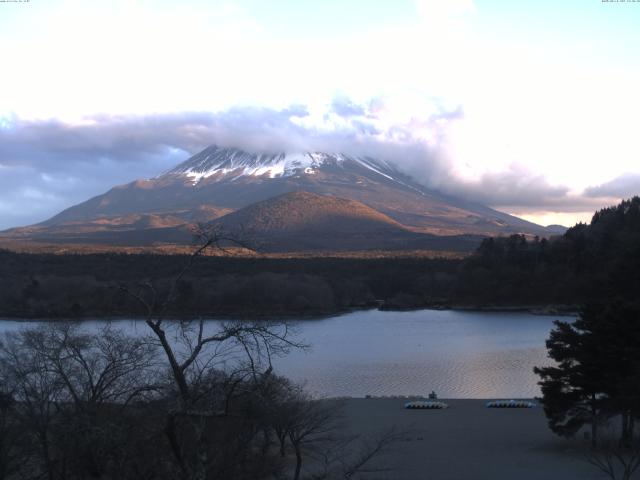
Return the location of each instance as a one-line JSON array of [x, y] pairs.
[[457, 354]]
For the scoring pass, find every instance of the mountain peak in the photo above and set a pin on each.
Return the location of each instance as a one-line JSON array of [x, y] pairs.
[[218, 181], [217, 163]]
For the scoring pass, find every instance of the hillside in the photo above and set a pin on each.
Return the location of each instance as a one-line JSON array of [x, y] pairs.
[[303, 221]]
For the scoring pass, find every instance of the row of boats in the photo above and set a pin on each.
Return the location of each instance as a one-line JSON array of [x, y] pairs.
[[437, 405]]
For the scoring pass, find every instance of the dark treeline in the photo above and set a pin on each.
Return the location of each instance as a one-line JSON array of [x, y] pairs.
[[588, 263], [594, 380], [58, 286], [600, 260], [596, 376]]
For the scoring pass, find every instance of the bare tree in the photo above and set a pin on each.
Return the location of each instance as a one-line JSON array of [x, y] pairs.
[[351, 456], [192, 351], [103, 367], [191, 399], [315, 430], [260, 341], [38, 391], [313, 423], [66, 385], [10, 437], [617, 459]]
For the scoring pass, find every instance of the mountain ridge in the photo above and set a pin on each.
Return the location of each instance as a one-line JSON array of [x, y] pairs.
[[219, 181]]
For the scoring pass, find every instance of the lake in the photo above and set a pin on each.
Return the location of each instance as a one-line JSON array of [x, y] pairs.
[[459, 354]]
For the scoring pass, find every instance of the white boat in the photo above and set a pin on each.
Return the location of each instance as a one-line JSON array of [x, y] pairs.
[[426, 405], [510, 404]]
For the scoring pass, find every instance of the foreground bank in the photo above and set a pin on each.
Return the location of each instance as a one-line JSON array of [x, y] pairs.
[[468, 441]]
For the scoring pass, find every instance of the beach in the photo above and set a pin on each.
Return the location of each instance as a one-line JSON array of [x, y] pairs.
[[468, 441]]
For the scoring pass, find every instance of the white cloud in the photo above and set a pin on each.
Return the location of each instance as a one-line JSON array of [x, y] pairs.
[[623, 186], [57, 164], [520, 105]]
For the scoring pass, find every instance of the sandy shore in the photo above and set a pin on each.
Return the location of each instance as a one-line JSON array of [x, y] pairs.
[[469, 441]]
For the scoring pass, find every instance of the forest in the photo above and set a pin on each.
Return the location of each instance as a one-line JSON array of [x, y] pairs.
[[590, 261], [591, 388]]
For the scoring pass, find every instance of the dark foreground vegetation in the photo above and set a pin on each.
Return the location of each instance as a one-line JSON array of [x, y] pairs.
[[593, 387], [204, 405], [600, 260], [185, 401]]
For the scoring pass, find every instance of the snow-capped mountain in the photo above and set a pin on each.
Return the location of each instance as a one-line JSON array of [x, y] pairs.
[[218, 181], [221, 163]]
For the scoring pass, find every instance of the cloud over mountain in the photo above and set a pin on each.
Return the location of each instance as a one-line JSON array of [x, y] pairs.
[[626, 185], [46, 165]]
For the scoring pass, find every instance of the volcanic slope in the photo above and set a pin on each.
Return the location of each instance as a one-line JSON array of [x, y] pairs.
[[218, 181], [303, 221]]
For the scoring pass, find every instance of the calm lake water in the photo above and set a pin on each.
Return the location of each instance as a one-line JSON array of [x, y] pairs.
[[457, 354]]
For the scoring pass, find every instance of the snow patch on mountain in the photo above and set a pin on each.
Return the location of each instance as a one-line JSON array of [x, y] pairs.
[[367, 164], [228, 162]]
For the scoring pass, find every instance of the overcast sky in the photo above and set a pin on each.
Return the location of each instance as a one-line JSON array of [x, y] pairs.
[[528, 106]]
